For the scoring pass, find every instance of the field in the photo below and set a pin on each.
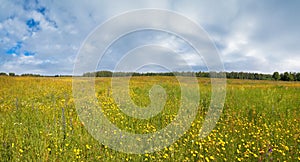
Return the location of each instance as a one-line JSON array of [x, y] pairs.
[[39, 121]]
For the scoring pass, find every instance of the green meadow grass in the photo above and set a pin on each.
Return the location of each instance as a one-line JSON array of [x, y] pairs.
[[39, 122]]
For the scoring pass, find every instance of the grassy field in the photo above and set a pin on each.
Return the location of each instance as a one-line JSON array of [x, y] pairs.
[[39, 122]]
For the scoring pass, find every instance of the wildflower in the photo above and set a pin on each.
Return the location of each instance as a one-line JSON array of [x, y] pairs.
[[261, 151], [76, 151], [88, 146], [270, 150], [286, 148], [207, 159], [165, 156]]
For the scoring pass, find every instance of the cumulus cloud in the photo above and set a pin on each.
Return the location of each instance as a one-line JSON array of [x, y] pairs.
[[260, 37]]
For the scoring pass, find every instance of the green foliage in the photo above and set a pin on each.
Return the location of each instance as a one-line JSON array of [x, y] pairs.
[[31, 75], [276, 76], [3, 74], [286, 76], [297, 76]]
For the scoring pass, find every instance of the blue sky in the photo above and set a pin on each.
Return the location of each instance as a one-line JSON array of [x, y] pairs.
[[44, 36]]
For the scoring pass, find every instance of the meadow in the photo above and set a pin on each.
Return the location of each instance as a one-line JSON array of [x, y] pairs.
[[39, 122]]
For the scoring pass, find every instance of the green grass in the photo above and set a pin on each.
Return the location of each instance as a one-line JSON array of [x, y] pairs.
[[39, 122]]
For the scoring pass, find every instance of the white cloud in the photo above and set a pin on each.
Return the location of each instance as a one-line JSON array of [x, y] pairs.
[[250, 36]]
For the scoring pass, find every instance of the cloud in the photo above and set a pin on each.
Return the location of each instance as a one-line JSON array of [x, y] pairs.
[[267, 32], [184, 53], [261, 37]]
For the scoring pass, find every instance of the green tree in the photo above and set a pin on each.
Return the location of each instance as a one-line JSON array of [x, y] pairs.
[[276, 76], [3, 74], [285, 76], [297, 77], [291, 77]]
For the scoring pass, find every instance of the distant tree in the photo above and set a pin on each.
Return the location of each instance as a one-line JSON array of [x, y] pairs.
[[281, 76], [285, 76], [256, 76], [31, 75], [11, 74], [297, 77], [276, 76], [291, 77], [88, 74], [104, 74], [3, 74]]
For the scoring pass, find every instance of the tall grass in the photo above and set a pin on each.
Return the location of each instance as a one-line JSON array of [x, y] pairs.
[[39, 122]]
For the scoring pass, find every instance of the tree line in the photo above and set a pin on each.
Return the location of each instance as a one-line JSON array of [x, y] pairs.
[[286, 76], [32, 75]]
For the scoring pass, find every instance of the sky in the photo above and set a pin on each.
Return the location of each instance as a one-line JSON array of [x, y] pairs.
[[45, 36]]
